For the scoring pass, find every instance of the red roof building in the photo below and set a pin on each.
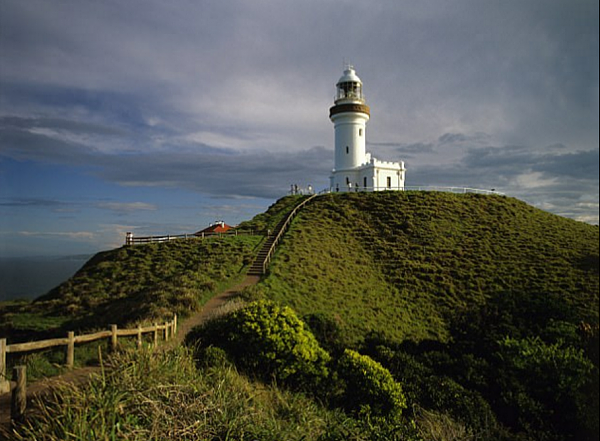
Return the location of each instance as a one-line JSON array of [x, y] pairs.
[[215, 228]]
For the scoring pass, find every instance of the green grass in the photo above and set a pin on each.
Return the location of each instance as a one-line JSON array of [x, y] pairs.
[[427, 284], [404, 263], [144, 395], [130, 285], [270, 218]]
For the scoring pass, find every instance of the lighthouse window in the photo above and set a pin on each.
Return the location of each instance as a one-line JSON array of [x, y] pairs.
[[347, 150], [359, 132]]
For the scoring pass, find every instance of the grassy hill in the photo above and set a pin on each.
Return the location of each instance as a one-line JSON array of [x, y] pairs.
[[483, 308], [131, 285], [406, 264]]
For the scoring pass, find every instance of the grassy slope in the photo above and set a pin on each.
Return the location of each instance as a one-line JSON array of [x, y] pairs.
[[270, 218], [404, 263], [399, 263], [134, 284], [191, 403]]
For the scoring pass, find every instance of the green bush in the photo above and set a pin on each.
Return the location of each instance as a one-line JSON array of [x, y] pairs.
[[212, 356], [426, 386], [545, 389], [270, 342], [370, 387], [327, 329]]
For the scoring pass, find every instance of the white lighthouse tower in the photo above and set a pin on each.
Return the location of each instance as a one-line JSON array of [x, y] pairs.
[[355, 169]]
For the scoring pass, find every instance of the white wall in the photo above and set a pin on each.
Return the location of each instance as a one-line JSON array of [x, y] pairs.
[[350, 136]]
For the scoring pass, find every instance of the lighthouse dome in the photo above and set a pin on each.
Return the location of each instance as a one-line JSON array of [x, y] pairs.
[[349, 76]]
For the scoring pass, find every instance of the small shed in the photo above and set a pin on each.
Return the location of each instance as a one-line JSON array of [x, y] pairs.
[[214, 228]]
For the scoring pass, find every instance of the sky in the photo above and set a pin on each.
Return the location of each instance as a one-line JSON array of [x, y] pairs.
[[161, 117]]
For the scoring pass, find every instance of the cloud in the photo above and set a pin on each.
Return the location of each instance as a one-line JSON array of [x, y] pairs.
[[550, 178], [198, 167], [126, 207], [230, 99], [74, 235], [254, 174], [31, 202]]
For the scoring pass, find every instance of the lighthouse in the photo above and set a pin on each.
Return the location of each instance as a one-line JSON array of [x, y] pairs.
[[355, 169]]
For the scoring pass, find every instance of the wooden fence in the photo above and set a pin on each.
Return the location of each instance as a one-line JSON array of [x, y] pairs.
[[167, 329], [130, 239]]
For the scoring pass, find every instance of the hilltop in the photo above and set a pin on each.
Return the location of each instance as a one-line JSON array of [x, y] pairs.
[[406, 263], [482, 307]]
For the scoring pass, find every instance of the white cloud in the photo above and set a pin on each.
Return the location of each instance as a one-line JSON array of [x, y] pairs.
[[126, 207], [532, 180], [75, 235]]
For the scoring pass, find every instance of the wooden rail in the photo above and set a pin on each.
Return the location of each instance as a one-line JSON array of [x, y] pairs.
[[168, 329], [130, 239], [282, 231]]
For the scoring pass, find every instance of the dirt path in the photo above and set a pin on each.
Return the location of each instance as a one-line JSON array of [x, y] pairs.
[[81, 376], [210, 307]]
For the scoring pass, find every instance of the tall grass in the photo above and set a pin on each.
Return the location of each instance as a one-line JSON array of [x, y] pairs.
[[165, 396]]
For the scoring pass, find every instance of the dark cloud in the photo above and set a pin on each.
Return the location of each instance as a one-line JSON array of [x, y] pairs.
[[564, 183], [518, 159], [578, 165], [23, 145], [414, 150], [18, 123], [200, 168], [462, 138], [253, 174], [226, 98], [32, 203], [405, 148]]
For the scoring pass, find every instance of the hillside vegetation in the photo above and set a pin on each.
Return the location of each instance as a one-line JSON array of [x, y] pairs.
[[483, 307], [406, 263], [396, 316], [134, 284]]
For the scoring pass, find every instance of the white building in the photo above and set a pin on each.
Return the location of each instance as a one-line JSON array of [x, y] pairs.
[[355, 169]]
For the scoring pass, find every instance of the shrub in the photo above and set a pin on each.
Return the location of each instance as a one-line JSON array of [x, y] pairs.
[[545, 388], [370, 387], [465, 406], [270, 342], [211, 356], [437, 393], [328, 331]]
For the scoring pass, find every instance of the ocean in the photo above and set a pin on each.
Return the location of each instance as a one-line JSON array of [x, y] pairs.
[[31, 277]]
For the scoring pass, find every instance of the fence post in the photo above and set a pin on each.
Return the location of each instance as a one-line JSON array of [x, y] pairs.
[[175, 324], [19, 395], [4, 383], [139, 336], [155, 335], [113, 337], [71, 349], [166, 331]]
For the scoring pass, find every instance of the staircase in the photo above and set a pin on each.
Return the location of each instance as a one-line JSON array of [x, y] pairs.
[[259, 267]]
